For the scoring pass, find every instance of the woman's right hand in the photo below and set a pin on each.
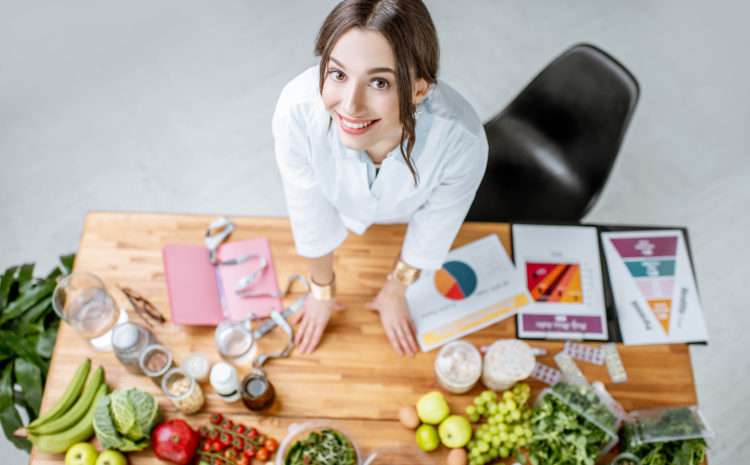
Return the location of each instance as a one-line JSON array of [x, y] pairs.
[[314, 317]]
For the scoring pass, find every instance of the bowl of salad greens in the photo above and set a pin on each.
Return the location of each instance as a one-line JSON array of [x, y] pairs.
[[317, 443]]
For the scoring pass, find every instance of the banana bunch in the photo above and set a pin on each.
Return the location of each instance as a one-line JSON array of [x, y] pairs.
[[71, 420]]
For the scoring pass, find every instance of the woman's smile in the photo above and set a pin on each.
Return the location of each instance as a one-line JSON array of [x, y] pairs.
[[355, 126]]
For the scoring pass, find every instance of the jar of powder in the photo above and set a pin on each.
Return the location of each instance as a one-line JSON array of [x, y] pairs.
[[507, 362], [458, 367], [184, 392]]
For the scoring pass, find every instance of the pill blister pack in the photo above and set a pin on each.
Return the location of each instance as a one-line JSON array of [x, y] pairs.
[[584, 352], [614, 363], [570, 371], [546, 374]]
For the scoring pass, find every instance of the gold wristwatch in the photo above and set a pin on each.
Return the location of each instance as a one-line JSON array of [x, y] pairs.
[[323, 291], [404, 273]]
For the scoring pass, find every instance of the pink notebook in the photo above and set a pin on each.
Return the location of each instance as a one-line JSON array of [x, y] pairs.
[[201, 294]]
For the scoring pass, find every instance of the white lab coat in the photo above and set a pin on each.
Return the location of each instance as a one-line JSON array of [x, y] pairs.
[[328, 190]]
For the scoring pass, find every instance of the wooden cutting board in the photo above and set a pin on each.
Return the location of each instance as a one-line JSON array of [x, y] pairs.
[[354, 378]]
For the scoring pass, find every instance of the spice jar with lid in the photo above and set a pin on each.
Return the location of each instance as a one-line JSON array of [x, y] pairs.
[[257, 391], [184, 392], [506, 362], [458, 367], [224, 381], [128, 341], [155, 361]]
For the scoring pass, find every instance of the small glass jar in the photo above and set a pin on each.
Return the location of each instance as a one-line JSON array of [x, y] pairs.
[[458, 367], [128, 341], [184, 392], [257, 391], [507, 362], [197, 366], [224, 381], [235, 342], [155, 361]]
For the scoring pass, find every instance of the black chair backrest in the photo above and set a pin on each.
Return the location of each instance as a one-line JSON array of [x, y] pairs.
[[552, 148]]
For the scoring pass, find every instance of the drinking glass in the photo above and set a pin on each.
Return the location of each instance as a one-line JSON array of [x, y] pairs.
[[82, 301]]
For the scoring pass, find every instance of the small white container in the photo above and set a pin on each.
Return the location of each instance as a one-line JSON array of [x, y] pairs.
[[197, 366], [507, 362], [458, 367], [225, 382]]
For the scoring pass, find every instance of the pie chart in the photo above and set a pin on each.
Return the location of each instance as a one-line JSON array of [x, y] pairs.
[[455, 280]]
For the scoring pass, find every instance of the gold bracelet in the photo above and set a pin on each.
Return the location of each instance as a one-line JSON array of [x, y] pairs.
[[323, 291], [404, 273]]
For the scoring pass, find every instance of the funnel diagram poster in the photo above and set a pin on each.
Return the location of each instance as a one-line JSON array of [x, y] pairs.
[[561, 269], [653, 287], [476, 287]]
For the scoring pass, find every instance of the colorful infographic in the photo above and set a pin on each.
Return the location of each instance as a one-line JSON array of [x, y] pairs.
[[561, 268], [476, 287], [651, 262], [653, 287], [455, 280], [554, 282]]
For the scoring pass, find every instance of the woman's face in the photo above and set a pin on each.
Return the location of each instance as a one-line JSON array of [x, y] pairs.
[[360, 92]]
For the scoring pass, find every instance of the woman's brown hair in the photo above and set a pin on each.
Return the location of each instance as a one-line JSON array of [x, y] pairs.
[[408, 28]]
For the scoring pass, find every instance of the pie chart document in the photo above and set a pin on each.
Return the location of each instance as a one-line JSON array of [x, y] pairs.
[[476, 287]]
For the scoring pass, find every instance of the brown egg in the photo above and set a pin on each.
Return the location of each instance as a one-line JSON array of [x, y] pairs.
[[457, 457], [407, 415]]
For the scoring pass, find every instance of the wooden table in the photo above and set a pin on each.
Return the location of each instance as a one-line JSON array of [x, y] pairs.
[[354, 378]]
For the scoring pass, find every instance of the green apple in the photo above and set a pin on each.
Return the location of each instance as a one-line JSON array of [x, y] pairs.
[[427, 438], [432, 408], [111, 457], [82, 453], [455, 431]]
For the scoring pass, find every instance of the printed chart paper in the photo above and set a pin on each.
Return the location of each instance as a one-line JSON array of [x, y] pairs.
[[560, 267], [476, 287], [653, 287]]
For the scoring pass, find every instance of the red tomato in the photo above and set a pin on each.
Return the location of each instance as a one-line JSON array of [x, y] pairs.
[[249, 453], [215, 418], [271, 444], [252, 433], [239, 429], [206, 446], [243, 461], [216, 445], [218, 461], [262, 454]]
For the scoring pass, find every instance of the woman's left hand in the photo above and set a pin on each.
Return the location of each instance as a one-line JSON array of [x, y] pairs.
[[394, 315]]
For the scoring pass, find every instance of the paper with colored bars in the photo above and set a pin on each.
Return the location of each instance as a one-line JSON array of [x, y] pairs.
[[653, 286], [476, 287], [562, 271]]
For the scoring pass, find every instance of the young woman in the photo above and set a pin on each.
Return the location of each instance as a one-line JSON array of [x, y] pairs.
[[372, 136]]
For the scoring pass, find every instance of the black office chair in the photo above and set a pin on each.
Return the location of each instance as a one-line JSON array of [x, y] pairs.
[[552, 148]]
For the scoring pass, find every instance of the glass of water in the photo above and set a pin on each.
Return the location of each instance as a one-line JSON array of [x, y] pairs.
[[82, 301]]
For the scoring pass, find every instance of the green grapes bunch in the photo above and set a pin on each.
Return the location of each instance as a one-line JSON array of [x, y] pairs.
[[505, 424]]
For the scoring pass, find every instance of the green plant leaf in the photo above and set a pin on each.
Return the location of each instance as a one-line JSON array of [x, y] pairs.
[[25, 276], [26, 301], [46, 342], [29, 376], [37, 311], [23, 346], [67, 262], [5, 283], [9, 416]]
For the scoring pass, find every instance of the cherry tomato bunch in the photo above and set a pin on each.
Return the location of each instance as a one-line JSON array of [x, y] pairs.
[[224, 442]]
